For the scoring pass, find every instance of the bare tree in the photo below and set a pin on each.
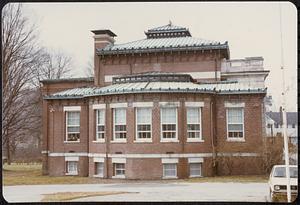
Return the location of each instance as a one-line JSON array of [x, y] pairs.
[[89, 70], [20, 54]]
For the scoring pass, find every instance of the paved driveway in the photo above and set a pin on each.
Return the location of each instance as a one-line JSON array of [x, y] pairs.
[[256, 192]]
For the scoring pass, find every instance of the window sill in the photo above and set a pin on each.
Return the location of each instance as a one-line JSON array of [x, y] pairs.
[[169, 140], [235, 140], [195, 140], [118, 177], [118, 141], [143, 141], [98, 141], [71, 142], [195, 176], [71, 174], [170, 177], [98, 176]]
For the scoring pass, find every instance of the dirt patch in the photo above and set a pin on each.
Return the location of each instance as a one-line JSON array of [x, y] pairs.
[[67, 196]]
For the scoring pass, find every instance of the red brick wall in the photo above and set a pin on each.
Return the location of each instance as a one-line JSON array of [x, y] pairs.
[[253, 130]]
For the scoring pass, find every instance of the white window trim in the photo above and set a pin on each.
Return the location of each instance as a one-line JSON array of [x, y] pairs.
[[194, 104], [99, 106], [169, 104], [137, 139], [118, 105], [170, 177], [231, 139], [142, 104], [234, 104], [187, 131], [66, 125], [161, 128], [115, 140], [100, 139], [72, 108]]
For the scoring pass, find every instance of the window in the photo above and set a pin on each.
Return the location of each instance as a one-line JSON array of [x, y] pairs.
[[72, 167], [99, 168], [195, 169], [143, 123], [170, 170], [269, 125], [100, 124], [119, 123], [168, 123], [235, 123], [293, 125], [193, 123], [276, 125], [119, 169], [73, 125]]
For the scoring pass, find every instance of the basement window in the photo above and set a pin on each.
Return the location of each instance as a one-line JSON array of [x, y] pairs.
[[235, 123], [119, 170], [195, 169], [99, 167], [72, 168], [73, 126], [170, 170]]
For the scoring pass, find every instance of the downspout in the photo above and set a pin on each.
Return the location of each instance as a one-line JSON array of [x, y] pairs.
[[213, 119], [88, 136], [106, 140]]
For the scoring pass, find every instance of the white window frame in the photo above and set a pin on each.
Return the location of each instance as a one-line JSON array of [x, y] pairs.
[[241, 139], [115, 170], [137, 139], [68, 172], [200, 139], [97, 124], [170, 177], [66, 124], [161, 126], [201, 165], [99, 174], [114, 124]]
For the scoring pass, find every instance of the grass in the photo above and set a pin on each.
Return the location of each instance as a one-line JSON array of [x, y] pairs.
[[67, 196], [239, 178], [23, 174]]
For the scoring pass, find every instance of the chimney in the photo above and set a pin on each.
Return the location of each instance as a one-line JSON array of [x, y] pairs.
[[102, 38]]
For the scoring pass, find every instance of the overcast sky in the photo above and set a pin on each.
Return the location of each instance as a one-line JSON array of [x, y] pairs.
[[251, 29]]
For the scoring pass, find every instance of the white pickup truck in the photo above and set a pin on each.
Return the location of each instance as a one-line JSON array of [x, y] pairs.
[[278, 181]]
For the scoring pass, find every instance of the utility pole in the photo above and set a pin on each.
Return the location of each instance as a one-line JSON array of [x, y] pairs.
[[286, 146]]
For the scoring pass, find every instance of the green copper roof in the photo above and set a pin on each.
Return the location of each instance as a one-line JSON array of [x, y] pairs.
[[158, 87]]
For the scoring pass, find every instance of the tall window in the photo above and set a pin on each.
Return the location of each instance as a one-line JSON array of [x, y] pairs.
[[143, 123], [119, 123], [73, 125], [169, 123], [193, 122], [100, 124], [235, 123], [72, 167], [169, 170]]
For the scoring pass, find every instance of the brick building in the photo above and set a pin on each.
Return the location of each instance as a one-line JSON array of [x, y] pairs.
[[156, 108]]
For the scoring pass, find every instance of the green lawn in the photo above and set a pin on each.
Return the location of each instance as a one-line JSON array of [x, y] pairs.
[[23, 174]]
